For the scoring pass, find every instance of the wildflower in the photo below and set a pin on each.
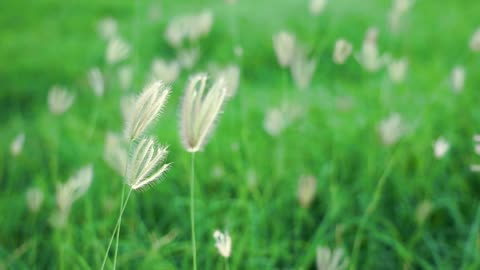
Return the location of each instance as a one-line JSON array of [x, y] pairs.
[[397, 70], [146, 108], [391, 129], [59, 100], [331, 260], [108, 28], [223, 243], [231, 76], [117, 50], [125, 75], [274, 122], [191, 27], [284, 46], [369, 57], [317, 6], [399, 9], [475, 41], [115, 152], [34, 199], [165, 71], [146, 165], [188, 57], [302, 69], [440, 147], [17, 144], [307, 187], [95, 78], [458, 79], [199, 111], [342, 51]]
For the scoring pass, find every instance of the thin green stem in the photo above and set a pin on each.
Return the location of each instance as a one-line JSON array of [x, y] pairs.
[[227, 266], [118, 229], [192, 212]]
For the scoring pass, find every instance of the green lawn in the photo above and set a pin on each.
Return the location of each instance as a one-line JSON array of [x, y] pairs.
[[367, 193]]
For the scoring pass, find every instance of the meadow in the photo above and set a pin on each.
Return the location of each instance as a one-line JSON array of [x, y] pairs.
[[353, 155]]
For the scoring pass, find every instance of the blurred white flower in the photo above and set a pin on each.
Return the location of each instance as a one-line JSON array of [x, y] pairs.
[[440, 147], [458, 79], [302, 69], [188, 57], [191, 27], [95, 79], [127, 105], [59, 100], [284, 44], [398, 10], [125, 76], [475, 41], [17, 144], [34, 197], [165, 71], [274, 122], [342, 51], [331, 260], [397, 69], [307, 188], [115, 152], [317, 6], [391, 129], [107, 28], [231, 76], [218, 171], [369, 57], [223, 243], [117, 50]]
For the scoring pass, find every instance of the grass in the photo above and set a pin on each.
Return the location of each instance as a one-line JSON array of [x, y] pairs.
[[367, 193]]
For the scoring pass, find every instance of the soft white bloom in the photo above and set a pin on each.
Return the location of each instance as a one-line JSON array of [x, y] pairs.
[[59, 100], [125, 76], [284, 44], [399, 9], [231, 76], [302, 69], [191, 27], [223, 243], [146, 109], [317, 6], [108, 28], [440, 147], [331, 260], [458, 79], [95, 78], [117, 50], [475, 41], [369, 57], [274, 122], [34, 199], [17, 144], [391, 129], [146, 164], [199, 111], [397, 69], [115, 152], [342, 51], [165, 71], [188, 57], [307, 187]]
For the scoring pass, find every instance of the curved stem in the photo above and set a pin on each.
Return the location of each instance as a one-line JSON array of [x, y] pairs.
[[192, 212], [118, 229]]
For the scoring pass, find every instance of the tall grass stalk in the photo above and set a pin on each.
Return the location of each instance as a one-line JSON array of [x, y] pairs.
[[192, 211]]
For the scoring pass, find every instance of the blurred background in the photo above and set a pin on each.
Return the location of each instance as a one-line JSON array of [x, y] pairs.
[[348, 140]]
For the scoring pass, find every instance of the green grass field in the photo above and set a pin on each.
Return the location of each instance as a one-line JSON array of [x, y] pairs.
[[368, 194]]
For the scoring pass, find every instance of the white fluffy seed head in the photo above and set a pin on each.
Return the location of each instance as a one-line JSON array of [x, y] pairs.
[[316, 7], [223, 243], [115, 152], [397, 69], [302, 69], [342, 51], [17, 144], [59, 99], [146, 109], [331, 260], [117, 50], [440, 147], [95, 79], [108, 28], [284, 44], [391, 129], [458, 79], [191, 27], [165, 71], [34, 198], [231, 76], [187, 58], [475, 41], [146, 164], [307, 188], [125, 76], [199, 111]]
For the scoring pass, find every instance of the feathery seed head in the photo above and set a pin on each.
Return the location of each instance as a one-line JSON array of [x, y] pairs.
[[125, 76], [458, 79], [165, 71], [17, 144], [191, 27], [95, 78], [117, 50], [59, 100], [307, 187], [317, 6], [342, 51], [331, 260], [145, 165], [475, 41], [108, 28], [397, 70], [199, 111], [440, 147], [231, 76], [223, 243], [188, 57], [146, 109], [34, 199], [284, 44], [274, 122], [115, 152], [392, 129], [302, 69]]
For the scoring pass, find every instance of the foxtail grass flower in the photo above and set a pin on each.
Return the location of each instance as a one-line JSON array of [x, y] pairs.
[[331, 260], [115, 152], [475, 41], [223, 243], [165, 71], [231, 76], [284, 44], [34, 197], [95, 78], [391, 129], [145, 166], [398, 10], [125, 76], [117, 50], [146, 109], [307, 188], [458, 79], [188, 57], [127, 106], [423, 211], [17, 144], [108, 28], [317, 6], [59, 100], [397, 69], [191, 27], [369, 57], [440, 147], [275, 122], [342, 51], [302, 69], [199, 111]]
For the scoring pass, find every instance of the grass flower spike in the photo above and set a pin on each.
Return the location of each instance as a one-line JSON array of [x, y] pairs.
[[17, 144], [342, 51], [284, 44], [223, 243], [331, 260], [59, 100], [95, 79]]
